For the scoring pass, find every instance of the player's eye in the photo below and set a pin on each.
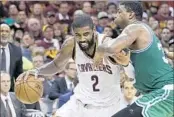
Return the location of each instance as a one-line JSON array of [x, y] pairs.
[[77, 35], [86, 34]]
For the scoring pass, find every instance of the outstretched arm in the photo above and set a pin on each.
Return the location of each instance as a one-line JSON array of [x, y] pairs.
[[58, 64], [128, 36]]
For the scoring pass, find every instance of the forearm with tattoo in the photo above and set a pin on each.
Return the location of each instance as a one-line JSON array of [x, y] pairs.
[[124, 40], [112, 46]]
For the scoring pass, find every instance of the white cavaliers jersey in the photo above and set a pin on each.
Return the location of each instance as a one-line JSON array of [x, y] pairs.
[[97, 86]]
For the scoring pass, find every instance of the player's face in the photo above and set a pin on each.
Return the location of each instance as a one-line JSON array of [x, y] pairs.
[[122, 16], [5, 83], [129, 90], [5, 34], [84, 37]]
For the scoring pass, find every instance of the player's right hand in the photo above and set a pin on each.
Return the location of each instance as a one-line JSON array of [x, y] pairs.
[[24, 76]]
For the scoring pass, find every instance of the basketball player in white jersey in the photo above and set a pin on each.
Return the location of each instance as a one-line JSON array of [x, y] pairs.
[[98, 92]]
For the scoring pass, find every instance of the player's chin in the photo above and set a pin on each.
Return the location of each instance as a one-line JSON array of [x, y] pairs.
[[85, 48]]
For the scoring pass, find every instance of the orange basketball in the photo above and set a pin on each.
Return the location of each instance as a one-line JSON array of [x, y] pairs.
[[29, 91]]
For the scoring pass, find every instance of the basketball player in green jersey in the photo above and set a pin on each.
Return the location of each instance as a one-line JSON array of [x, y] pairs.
[[154, 76]]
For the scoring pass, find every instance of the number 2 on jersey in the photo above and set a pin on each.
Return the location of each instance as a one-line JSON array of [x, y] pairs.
[[95, 79]]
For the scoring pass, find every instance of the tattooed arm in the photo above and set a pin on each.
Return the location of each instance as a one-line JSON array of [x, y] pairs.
[[128, 36]]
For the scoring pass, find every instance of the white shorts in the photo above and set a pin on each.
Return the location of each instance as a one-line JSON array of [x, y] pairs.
[[75, 108]]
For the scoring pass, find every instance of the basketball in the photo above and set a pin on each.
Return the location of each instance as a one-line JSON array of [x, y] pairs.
[[29, 91]]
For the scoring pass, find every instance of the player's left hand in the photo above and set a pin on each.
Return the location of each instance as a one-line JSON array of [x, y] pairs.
[[122, 58]]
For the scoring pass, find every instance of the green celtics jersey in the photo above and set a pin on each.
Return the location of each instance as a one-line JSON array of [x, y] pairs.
[[152, 70]]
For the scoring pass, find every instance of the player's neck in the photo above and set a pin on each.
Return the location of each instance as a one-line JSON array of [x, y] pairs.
[[133, 21], [91, 50]]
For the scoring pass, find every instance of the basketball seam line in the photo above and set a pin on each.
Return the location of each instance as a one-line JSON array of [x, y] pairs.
[[19, 91], [28, 81], [33, 89], [26, 93]]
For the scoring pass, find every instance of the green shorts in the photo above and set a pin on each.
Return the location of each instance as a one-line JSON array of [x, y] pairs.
[[158, 103]]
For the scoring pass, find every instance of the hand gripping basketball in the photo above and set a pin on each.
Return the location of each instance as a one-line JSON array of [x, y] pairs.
[[28, 87], [24, 76]]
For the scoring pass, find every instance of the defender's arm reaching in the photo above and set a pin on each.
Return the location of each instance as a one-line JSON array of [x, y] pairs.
[[128, 36]]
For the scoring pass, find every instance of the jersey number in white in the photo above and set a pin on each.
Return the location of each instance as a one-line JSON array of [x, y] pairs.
[[164, 56], [95, 79]]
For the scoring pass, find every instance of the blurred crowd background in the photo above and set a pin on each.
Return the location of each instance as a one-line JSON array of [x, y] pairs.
[[39, 29]]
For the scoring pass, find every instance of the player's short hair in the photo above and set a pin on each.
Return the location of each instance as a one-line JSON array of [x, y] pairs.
[[82, 21], [134, 6]]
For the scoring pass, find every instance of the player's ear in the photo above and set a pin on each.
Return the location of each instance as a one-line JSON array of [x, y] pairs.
[[131, 15]]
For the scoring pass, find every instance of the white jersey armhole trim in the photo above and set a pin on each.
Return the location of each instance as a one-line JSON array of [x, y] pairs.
[[150, 43]]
